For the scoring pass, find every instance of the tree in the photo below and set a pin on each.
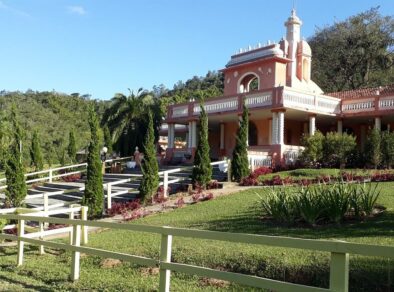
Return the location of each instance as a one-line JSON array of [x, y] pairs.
[[35, 152], [14, 171], [313, 151], [202, 170], [388, 148], [373, 147], [72, 147], [338, 148], [127, 119], [357, 52], [107, 139], [94, 194], [149, 166], [240, 162]]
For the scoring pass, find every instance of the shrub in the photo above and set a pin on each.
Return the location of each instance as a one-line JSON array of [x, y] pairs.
[[202, 170], [388, 148], [373, 148], [323, 203], [161, 196], [313, 148], [123, 207], [240, 162], [72, 177], [280, 206], [180, 202], [338, 148]]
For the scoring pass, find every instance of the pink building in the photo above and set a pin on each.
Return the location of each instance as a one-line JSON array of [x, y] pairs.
[[284, 103]]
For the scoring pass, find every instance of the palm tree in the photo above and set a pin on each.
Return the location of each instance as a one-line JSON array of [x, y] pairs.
[[127, 119]]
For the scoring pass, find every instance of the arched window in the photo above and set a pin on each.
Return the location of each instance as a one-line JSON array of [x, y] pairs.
[[252, 135], [249, 82]]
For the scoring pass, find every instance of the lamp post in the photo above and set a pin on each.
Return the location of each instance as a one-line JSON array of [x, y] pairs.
[[103, 157]]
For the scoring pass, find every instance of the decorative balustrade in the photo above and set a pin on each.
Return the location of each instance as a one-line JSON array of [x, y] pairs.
[[259, 100], [360, 106], [310, 102], [229, 104], [386, 103]]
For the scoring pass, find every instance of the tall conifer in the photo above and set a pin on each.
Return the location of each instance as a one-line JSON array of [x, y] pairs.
[[72, 147], [240, 163], [107, 139], [94, 193], [202, 171], [35, 152], [14, 171], [149, 166]]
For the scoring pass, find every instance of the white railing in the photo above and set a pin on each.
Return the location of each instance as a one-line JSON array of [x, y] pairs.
[[224, 105], [256, 161], [51, 172], [259, 100], [386, 103], [111, 194], [291, 153], [165, 174], [311, 102], [359, 106], [339, 252], [42, 219], [181, 111]]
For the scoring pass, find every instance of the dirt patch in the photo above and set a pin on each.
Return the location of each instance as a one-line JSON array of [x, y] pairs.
[[110, 263], [214, 283], [149, 271]]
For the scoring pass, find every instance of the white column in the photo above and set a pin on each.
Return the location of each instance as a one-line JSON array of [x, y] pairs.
[[171, 132], [378, 123], [194, 134], [339, 127], [312, 124], [221, 136], [281, 127], [274, 131]]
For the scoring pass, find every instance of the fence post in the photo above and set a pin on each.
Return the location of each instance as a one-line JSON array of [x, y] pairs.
[[41, 224], [46, 208], [165, 184], [84, 216], [339, 272], [109, 199], [75, 258], [50, 175], [229, 170], [165, 256], [71, 216], [21, 243]]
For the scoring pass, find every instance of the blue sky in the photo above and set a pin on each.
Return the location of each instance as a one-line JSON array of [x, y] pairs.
[[102, 47]]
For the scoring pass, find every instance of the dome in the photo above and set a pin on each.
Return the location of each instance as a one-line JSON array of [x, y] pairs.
[[303, 48]]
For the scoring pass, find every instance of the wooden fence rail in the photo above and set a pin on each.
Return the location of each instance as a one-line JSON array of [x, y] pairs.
[[339, 265]]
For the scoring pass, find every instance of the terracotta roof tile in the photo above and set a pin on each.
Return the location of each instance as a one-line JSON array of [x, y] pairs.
[[364, 92]]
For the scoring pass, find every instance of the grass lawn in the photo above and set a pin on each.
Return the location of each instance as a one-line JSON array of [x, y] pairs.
[[234, 213], [309, 173]]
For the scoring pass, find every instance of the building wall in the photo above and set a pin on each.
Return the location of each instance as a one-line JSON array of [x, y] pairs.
[[266, 71], [262, 131], [293, 132], [214, 143], [230, 133]]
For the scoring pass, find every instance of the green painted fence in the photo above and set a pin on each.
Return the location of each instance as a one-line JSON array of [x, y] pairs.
[[339, 266]]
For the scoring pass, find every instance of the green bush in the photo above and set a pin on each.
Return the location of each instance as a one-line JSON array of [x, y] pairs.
[[323, 203], [373, 148], [337, 148], [313, 148], [388, 148]]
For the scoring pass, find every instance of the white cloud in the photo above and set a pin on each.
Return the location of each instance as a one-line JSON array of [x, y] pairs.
[[6, 7], [76, 10]]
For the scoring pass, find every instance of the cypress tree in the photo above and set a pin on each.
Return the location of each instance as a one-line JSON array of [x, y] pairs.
[[107, 139], [35, 152], [94, 193], [149, 166], [14, 171], [240, 162], [202, 171], [72, 147]]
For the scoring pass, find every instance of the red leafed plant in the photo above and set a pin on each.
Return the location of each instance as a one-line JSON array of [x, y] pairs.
[[180, 202], [72, 177], [122, 207], [160, 196]]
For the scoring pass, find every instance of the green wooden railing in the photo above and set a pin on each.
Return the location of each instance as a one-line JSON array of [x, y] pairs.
[[339, 265]]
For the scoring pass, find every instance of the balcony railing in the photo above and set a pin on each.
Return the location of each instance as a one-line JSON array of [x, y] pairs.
[[371, 104], [311, 102]]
